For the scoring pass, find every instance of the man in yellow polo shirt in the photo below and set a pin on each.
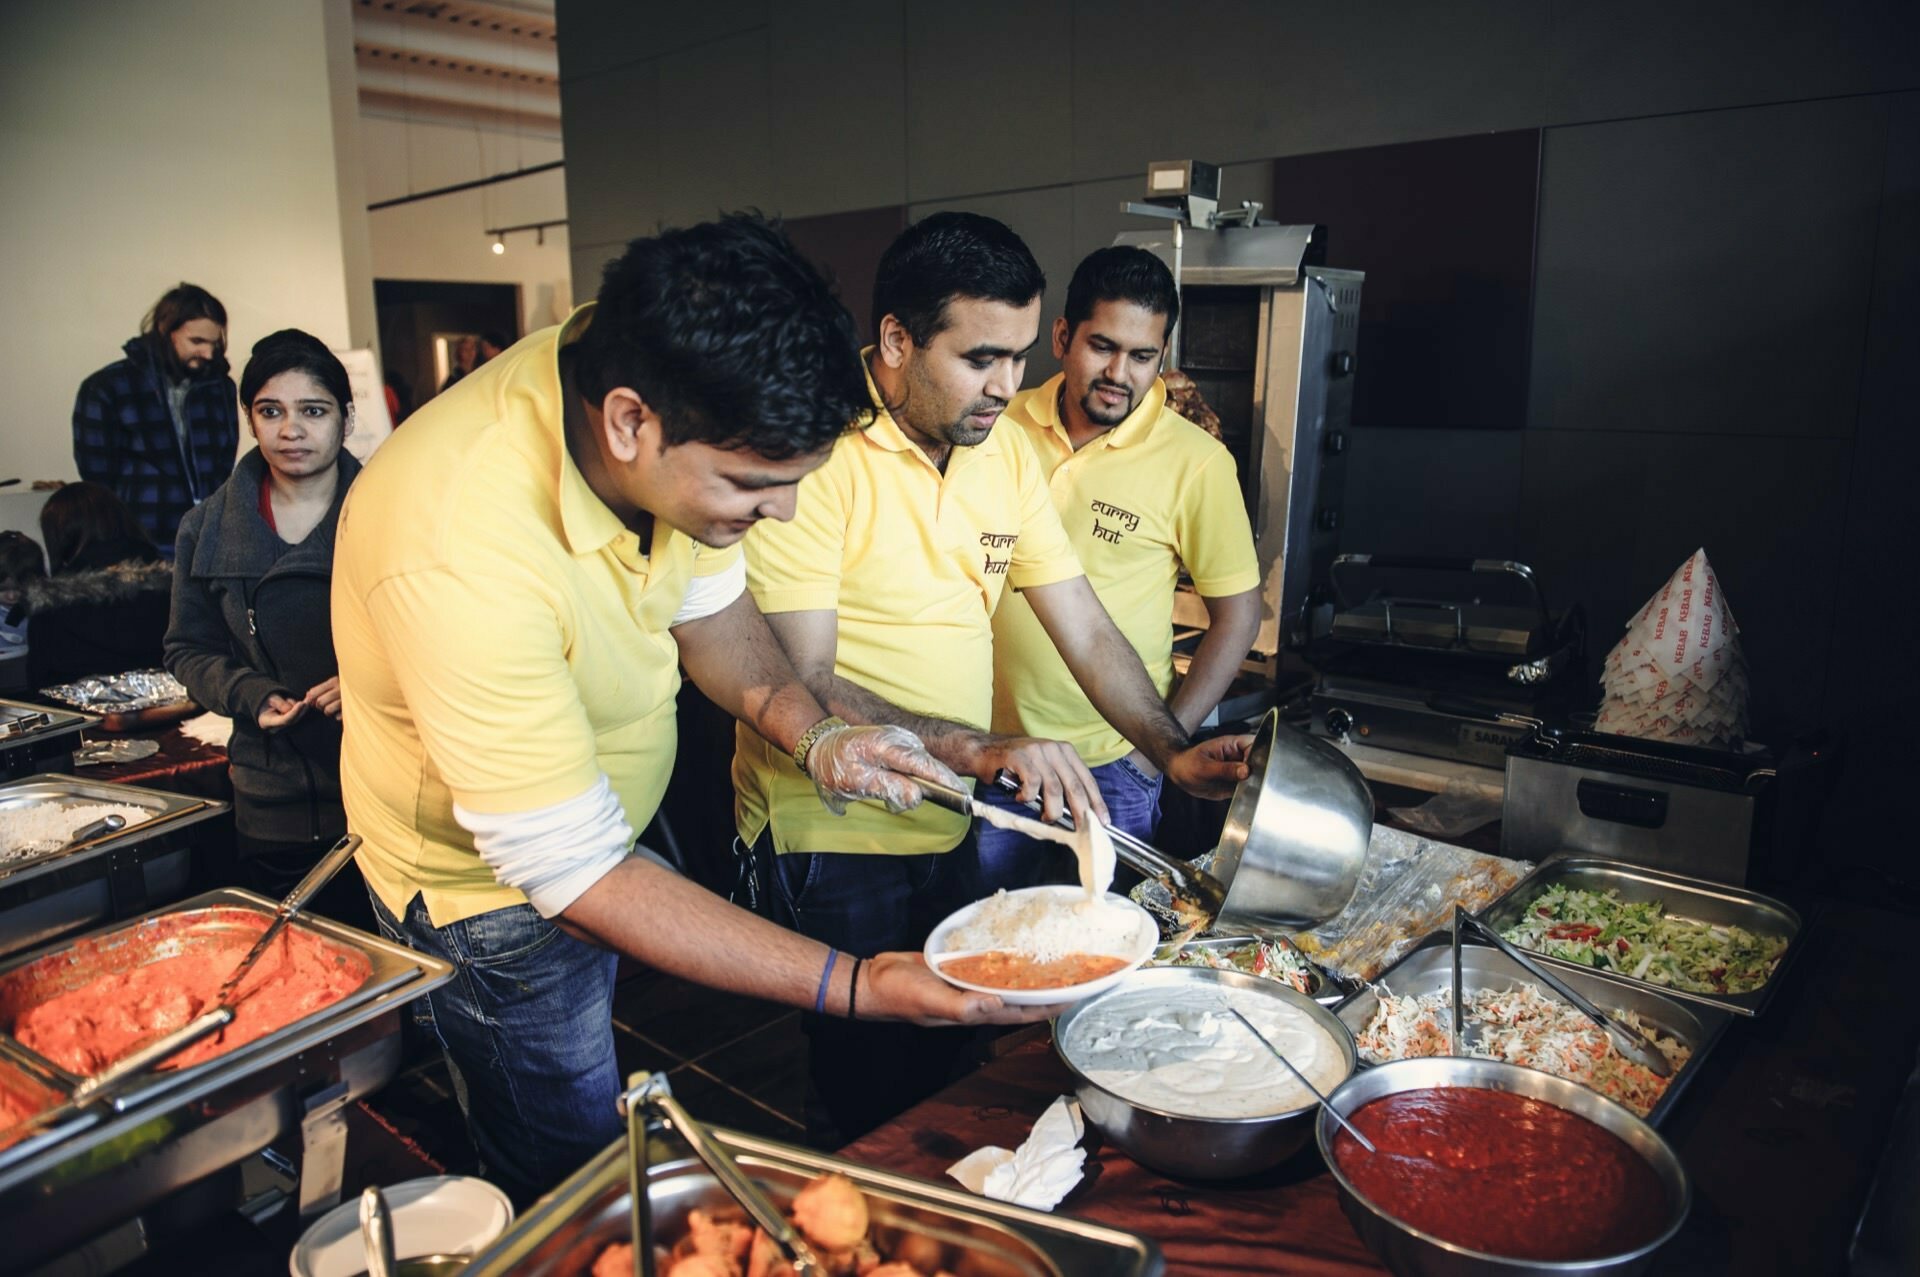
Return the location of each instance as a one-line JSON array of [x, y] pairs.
[[1143, 493], [882, 589], [521, 574]]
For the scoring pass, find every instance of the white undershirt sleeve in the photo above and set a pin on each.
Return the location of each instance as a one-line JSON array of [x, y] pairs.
[[709, 594], [553, 853]]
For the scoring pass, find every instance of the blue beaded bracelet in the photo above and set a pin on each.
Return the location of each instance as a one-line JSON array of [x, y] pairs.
[[826, 978]]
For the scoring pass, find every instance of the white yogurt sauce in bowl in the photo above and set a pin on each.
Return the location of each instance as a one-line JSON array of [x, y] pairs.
[[1183, 1054]]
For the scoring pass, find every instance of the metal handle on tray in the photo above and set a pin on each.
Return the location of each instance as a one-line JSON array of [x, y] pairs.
[[651, 1091]]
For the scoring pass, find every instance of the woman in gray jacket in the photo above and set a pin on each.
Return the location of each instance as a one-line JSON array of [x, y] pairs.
[[251, 632]]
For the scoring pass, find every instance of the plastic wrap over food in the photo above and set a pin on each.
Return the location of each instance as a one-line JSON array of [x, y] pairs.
[[120, 693], [1407, 891]]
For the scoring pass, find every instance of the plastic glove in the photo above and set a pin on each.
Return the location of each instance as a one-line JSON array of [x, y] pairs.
[[850, 763]]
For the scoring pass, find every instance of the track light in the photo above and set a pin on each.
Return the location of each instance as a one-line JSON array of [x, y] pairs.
[[499, 244]]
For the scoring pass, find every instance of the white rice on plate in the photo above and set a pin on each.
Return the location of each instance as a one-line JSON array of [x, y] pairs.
[[1047, 927]]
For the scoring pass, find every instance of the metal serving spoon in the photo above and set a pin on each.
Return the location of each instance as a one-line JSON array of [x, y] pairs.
[[1332, 1112]]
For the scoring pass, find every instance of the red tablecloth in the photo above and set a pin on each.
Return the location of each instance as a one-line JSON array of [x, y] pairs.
[[1288, 1220], [1779, 1133], [183, 766]]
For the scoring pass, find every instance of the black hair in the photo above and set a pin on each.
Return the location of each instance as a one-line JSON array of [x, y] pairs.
[[20, 557], [1122, 274], [495, 338], [291, 350], [951, 255], [87, 526], [182, 304], [730, 336]]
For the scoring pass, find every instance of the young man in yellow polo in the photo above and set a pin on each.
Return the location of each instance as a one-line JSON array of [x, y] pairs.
[[521, 575], [1143, 493], [882, 589]]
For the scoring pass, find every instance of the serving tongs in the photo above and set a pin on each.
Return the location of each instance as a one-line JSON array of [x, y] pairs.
[[1625, 1040], [296, 900], [110, 1084], [648, 1093], [1197, 895]]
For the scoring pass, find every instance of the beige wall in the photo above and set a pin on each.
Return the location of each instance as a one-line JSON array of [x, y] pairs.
[[441, 238], [144, 144]]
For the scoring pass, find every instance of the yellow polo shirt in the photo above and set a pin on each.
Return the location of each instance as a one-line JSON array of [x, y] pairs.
[[502, 636], [1152, 495], [914, 562]]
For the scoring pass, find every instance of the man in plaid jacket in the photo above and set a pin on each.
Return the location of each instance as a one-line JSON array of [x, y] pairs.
[[161, 426]]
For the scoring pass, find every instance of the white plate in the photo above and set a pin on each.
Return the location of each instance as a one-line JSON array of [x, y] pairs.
[[1146, 939], [437, 1215]]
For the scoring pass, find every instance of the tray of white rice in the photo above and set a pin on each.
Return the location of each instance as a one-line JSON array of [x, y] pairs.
[[40, 817], [1042, 946]]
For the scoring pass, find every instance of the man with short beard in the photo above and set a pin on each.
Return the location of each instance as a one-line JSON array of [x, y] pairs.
[[882, 590], [1144, 494], [161, 427]]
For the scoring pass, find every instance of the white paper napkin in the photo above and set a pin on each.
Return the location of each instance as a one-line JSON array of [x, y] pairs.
[[1038, 1173]]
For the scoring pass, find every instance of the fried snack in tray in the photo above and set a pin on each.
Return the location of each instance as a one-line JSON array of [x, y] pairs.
[[830, 1212], [1407, 891]]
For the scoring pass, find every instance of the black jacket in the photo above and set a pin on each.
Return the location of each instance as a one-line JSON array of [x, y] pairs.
[[104, 617], [123, 436], [251, 617]]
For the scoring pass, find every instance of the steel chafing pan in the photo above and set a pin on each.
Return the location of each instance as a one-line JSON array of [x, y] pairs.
[[49, 894], [1694, 899], [83, 1179], [1429, 969], [1412, 1253], [564, 1233]]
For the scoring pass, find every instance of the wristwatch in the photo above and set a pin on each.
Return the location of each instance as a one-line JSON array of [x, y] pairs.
[[811, 737]]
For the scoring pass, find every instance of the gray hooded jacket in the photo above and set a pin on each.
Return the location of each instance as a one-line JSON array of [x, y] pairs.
[[252, 617]]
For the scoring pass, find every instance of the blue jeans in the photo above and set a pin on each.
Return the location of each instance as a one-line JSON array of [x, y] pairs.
[[527, 1027], [863, 1073], [1012, 860]]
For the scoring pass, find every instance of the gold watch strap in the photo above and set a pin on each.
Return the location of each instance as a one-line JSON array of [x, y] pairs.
[[810, 737]]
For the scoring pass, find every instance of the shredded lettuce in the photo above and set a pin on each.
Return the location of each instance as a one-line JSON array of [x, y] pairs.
[[1637, 939]]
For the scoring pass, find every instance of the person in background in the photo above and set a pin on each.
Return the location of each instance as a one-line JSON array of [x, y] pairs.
[[20, 562], [882, 589], [491, 344], [103, 609], [1143, 493], [251, 634], [159, 427], [465, 357]]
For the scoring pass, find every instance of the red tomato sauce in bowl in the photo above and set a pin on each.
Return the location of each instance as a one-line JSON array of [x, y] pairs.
[[1504, 1174]]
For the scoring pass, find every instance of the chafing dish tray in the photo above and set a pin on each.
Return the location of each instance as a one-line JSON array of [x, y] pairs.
[[50, 894], [1429, 969], [165, 811], [36, 737], [1692, 899], [80, 1179], [568, 1228], [1321, 987]]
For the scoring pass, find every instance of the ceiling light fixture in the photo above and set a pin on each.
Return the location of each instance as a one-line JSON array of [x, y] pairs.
[[500, 233]]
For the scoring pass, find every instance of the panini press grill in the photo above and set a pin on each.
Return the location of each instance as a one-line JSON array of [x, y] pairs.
[[1425, 655]]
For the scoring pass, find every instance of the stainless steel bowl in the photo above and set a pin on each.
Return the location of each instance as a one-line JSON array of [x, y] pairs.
[[1412, 1253], [1198, 1147], [1296, 833]]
